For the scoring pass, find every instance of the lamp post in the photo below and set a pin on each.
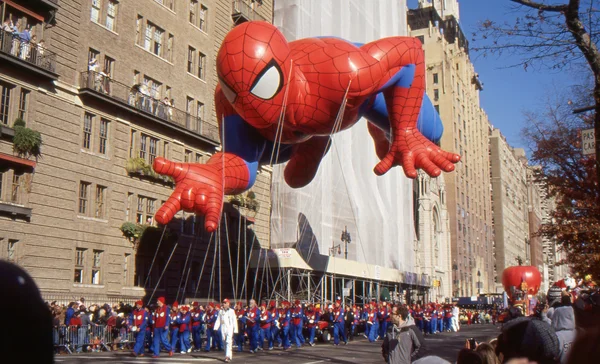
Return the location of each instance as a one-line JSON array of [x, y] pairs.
[[347, 239], [455, 280]]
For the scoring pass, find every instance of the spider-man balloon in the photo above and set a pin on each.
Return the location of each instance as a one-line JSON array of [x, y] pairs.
[[286, 97]]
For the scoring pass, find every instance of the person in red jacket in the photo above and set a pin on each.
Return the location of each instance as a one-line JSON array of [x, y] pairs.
[[161, 327], [185, 320], [138, 323], [252, 325], [174, 316]]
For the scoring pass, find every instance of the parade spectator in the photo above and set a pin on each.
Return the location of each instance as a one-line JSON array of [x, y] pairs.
[[27, 321], [487, 353], [563, 322], [468, 356], [400, 344], [523, 337]]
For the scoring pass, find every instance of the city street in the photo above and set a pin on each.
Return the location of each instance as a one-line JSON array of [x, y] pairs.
[[445, 345]]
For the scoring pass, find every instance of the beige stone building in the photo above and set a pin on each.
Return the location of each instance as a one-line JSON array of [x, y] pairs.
[[510, 203], [432, 227], [535, 197], [454, 86], [114, 85]]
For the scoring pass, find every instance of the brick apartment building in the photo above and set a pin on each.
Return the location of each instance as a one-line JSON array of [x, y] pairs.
[[114, 85]]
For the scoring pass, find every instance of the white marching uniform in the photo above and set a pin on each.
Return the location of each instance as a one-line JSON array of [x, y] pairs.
[[227, 321]]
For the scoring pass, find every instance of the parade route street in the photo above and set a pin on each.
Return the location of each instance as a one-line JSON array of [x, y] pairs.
[[445, 345]]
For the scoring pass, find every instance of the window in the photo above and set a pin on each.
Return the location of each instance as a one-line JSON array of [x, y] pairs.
[[109, 66], [202, 18], [83, 197], [167, 3], [436, 94], [100, 202], [93, 56], [153, 86], [79, 265], [12, 250], [1, 184], [95, 14], [23, 100], [111, 14], [154, 39], [148, 38], [150, 205], [4, 102], [103, 137], [437, 108], [421, 38], [191, 55], [435, 78], [198, 158], [188, 156], [139, 218], [87, 130], [193, 11], [152, 151], [201, 65], [15, 195], [143, 146], [97, 261], [189, 106]]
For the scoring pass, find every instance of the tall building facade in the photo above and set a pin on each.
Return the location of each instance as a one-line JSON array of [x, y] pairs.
[[510, 203], [113, 85], [432, 240], [535, 196], [454, 87]]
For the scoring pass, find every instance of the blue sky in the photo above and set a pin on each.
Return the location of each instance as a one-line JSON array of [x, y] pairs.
[[507, 92]]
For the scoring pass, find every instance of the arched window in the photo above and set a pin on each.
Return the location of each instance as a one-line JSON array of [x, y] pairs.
[[436, 232]]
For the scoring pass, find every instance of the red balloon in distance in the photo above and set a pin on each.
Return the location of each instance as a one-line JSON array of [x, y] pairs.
[[515, 276]]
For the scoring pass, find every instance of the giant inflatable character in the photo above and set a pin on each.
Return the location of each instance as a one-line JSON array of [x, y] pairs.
[[280, 101]]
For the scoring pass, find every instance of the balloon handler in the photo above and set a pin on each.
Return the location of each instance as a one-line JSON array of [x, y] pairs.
[[281, 102]]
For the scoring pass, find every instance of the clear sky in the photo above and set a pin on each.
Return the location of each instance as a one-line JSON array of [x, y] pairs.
[[507, 93]]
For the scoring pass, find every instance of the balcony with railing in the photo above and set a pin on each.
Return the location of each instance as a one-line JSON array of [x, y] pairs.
[[23, 53], [134, 100], [242, 12]]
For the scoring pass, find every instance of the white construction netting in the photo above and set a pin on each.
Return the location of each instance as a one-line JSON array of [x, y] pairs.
[[378, 211]]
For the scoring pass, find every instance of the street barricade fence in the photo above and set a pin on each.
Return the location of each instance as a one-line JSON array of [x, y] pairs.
[[91, 338]]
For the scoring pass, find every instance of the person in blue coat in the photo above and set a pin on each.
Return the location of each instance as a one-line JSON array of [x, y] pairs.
[[211, 317], [285, 318], [139, 322], [174, 325], [185, 321], [197, 313], [241, 317], [339, 331]]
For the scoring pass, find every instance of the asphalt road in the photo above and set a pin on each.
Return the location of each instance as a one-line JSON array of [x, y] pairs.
[[445, 345]]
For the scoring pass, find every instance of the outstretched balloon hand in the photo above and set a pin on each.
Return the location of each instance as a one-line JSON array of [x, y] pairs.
[[412, 150], [199, 189]]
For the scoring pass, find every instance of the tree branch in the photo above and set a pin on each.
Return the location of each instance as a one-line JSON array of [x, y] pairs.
[[540, 6]]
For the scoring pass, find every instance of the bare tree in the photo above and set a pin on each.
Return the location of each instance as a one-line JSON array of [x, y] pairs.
[[555, 36]]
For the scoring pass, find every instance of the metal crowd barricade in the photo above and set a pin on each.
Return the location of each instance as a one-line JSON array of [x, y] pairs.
[[91, 338]]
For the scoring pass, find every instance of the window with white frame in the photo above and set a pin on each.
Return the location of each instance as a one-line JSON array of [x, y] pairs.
[[84, 191], [103, 136], [191, 59], [79, 265], [143, 146], [201, 65], [23, 101], [88, 120], [96, 267], [193, 11], [150, 206], [96, 11], [153, 150], [15, 195], [202, 18], [100, 202], [5, 90], [111, 14]]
